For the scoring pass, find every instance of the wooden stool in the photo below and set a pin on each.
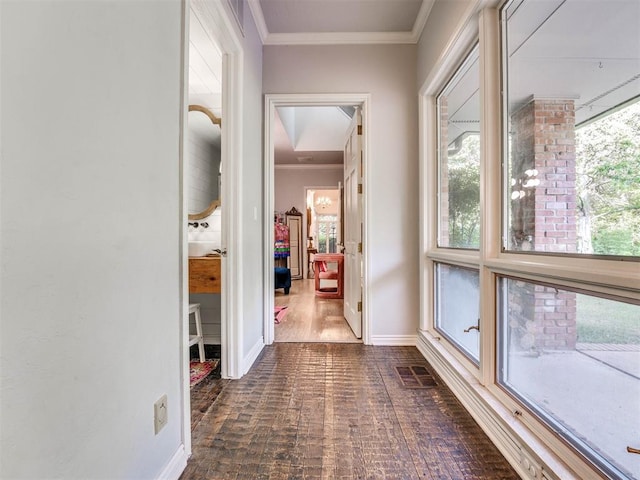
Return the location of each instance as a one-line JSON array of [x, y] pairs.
[[197, 338]]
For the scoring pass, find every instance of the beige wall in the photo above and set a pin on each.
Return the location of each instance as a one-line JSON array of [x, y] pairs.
[[388, 73], [443, 19]]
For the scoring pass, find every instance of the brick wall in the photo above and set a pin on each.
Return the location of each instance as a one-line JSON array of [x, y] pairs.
[[543, 209]]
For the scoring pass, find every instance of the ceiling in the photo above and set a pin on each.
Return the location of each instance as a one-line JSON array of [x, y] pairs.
[[322, 22], [586, 51], [205, 68], [315, 135], [563, 49], [310, 135]]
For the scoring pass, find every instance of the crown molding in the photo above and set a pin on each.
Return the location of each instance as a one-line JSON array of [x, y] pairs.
[[258, 19], [421, 19], [309, 166], [340, 38]]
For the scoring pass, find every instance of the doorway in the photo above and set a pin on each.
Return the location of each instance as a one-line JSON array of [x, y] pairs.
[[209, 25], [323, 231]]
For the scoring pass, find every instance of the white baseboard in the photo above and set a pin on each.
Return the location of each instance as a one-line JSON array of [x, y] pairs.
[[251, 357], [394, 340], [176, 465], [526, 454]]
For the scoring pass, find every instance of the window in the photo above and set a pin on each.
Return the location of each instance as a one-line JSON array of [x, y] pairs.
[[327, 233], [574, 359], [573, 159], [457, 307], [570, 354], [535, 238], [459, 158]]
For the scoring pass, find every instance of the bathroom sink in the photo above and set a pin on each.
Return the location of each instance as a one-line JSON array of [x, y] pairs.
[[202, 248]]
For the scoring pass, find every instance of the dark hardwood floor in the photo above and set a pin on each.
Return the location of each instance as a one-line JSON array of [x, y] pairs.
[[339, 410]]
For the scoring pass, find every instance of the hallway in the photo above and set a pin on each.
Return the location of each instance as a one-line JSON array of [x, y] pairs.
[[311, 319], [341, 411]]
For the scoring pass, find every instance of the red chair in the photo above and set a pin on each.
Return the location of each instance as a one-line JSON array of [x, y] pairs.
[[323, 263]]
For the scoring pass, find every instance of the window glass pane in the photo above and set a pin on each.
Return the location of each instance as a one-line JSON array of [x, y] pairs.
[[458, 306], [459, 158], [573, 153], [327, 233], [574, 359]]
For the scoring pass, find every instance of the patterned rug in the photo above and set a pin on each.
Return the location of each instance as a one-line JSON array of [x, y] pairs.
[[280, 313], [199, 371]]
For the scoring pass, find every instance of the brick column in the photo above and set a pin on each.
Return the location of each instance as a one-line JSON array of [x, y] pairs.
[[543, 209]]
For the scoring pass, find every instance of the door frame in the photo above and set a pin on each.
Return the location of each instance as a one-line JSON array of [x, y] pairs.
[[217, 20], [272, 101]]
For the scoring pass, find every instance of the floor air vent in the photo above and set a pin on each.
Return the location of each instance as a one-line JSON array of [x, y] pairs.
[[415, 377]]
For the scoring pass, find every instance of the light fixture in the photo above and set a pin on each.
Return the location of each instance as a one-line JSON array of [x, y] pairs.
[[323, 202]]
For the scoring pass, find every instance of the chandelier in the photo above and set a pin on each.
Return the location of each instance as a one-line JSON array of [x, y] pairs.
[[323, 202]]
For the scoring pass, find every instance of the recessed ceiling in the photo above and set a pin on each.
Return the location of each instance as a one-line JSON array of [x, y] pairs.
[[340, 21], [310, 135]]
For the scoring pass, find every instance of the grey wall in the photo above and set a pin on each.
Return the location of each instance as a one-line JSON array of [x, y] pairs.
[[251, 208], [443, 19], [388, 73], [89, 294]]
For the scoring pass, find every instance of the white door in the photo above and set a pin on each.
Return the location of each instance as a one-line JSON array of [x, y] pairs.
[[353, 226]]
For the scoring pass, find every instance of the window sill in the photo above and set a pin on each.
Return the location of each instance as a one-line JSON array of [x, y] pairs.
[[530, 457]]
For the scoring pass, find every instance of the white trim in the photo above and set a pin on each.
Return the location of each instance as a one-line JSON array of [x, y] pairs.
[[272, 101], [221, 25], [176, 465], [463, 38], [421, 19], [340, 38], [526, 454], [394, 340], [232, 197], [185, 390], [323, 166], [252, 356], [258, 18], [532, 449]]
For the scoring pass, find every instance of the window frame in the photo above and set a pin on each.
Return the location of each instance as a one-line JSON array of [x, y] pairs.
[[473, 49], [601, 275], [441, 331]]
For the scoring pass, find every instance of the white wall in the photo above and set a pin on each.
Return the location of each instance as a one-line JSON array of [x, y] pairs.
[[89, 293], [388, 72], [290, 182], [251, 208]]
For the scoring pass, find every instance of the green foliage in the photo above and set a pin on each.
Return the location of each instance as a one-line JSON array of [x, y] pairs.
[[605, 321], [608, 181], [609, 241], [464, 194]]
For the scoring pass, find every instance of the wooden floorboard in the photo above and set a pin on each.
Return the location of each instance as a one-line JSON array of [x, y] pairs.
[[309, 318], [343, 411]]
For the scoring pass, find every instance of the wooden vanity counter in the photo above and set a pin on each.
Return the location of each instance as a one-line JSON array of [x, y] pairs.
[[205, 274]]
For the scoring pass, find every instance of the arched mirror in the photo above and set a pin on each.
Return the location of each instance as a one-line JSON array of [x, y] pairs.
[[204, 162]]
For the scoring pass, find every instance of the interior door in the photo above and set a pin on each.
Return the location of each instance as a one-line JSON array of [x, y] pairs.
[[353, 226]]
